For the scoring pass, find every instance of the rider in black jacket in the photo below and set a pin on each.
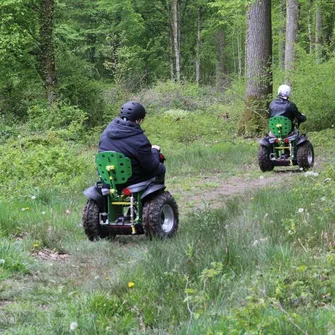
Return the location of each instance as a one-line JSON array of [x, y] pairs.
[[124, 134], [283, 107]]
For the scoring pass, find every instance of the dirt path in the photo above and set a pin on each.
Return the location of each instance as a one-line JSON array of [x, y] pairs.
[[203, 197]]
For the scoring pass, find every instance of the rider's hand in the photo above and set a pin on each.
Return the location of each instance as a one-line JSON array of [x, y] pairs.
[[157, 147]]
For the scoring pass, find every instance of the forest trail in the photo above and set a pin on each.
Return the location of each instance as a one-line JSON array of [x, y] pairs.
[[199, 197]]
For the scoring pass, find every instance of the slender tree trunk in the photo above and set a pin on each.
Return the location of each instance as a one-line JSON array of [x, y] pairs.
[[239, 53], [292, 14], [318, 33], [330, 27], [47, 53], [172, 53], [220, 45], [310, 34], [197, 62], [281, 48], [258, 68], [233, 50], [176, 35]]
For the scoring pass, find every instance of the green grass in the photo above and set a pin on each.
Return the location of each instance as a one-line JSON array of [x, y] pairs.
[[257, 263], [239, 268]]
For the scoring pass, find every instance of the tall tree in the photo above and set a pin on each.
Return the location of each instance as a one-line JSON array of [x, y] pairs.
[[46, 53], [176, 36], [258, 67], [198, 48], [309, 25], [220, 58], [318, 33], [281, 53], [292, 14]]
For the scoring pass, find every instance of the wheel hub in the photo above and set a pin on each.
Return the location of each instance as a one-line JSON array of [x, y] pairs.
[[167, 218]]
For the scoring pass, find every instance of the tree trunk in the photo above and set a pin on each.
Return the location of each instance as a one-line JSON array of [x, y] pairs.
[[197, 61], [292, 14], [172, 53], [318, 34], [281, 55], [176, 34], [330, 29], [220, 45], [233, 50], [310, 34], [46, 52], [239, 53], [258, 68]]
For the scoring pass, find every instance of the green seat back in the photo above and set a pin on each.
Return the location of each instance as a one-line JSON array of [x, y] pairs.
[[113, 167], [280, 125]]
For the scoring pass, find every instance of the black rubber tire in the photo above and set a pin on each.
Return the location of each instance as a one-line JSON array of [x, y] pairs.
[[160, 215], [264, 161], [93, 229], [305, 155]]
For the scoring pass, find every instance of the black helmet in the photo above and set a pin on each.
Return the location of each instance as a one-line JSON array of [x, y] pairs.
[[132, 111]]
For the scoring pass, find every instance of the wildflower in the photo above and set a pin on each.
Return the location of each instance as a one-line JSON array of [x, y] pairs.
[[23, 209], [252, 198], [43, 213], [323, 199], [33, 197], [300, 210], [73, 325], [311, 173], [36, 245], [131, 284], [2, 261], [67, 211], [261, 240], [261, 177]]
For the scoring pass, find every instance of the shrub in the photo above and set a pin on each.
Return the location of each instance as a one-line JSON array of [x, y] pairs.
[[29, 164]]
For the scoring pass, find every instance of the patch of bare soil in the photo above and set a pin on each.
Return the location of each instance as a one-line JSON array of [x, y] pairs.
[[50, 255]]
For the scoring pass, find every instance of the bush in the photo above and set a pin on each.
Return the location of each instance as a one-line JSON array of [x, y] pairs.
[[314, 93], [43, 116], [29, 164]]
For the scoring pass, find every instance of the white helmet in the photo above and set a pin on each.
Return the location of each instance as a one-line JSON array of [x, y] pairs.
[[284, 91]]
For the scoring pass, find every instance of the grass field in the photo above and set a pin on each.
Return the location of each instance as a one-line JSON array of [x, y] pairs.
[[255, 260]]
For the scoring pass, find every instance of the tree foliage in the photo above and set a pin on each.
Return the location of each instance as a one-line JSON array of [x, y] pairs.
[[105, 49]]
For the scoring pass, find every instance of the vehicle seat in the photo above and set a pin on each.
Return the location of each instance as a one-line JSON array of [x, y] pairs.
[[114, 168], [280, 126]]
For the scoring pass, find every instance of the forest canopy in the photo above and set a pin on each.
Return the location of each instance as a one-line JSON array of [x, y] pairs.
[[82, 59]]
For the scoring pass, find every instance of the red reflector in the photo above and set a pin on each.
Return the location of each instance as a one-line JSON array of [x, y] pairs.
[[126, 192], [286, 140]]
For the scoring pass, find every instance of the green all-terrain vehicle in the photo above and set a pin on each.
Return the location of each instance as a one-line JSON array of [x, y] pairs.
[[284, 147], [142, 208]]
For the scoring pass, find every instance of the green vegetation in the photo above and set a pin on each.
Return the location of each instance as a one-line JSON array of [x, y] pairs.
[[255, 252], [256, 261]]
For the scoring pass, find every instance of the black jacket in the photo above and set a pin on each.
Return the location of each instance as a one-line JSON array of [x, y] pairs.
[[128, 138], [282, 107]]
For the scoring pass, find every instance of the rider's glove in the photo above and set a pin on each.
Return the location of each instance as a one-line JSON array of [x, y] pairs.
[[162, 158]]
